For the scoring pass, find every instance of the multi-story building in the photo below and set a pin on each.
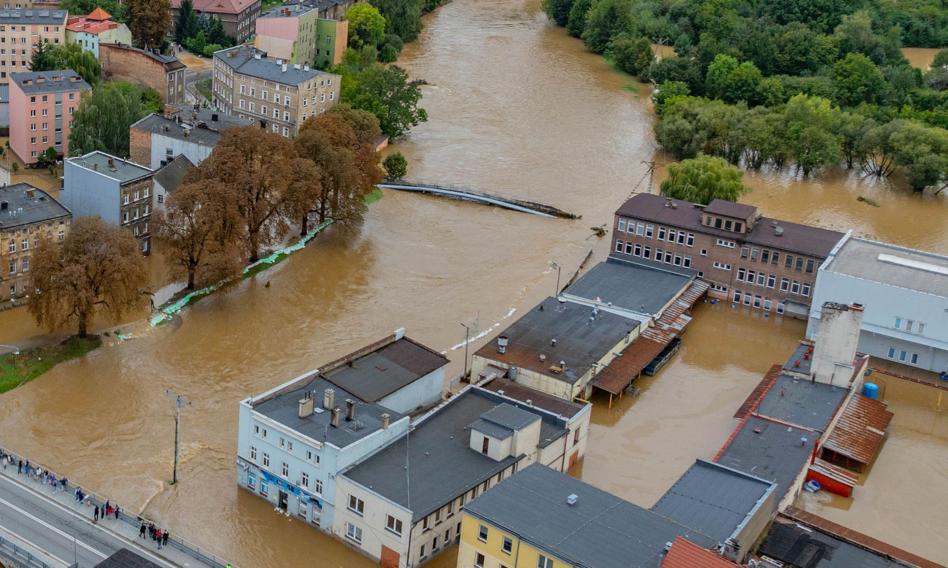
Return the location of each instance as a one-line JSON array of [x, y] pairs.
[[157, 139], [278, 95], [294, 439], [749, 259], [21, 31], [98, 27], [543, 518], [42, 104], [402, 505], [27, 215], [163, 73], [236, 16], [905, 295], [117, 190], [311, 33]]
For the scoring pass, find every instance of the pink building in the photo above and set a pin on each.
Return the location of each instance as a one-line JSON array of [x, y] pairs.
[[21, 31], [41, 108]]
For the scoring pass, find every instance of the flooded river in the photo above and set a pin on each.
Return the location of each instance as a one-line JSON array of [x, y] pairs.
[[516, 108]]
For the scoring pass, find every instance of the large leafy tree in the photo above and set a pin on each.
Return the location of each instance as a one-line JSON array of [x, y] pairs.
[[49, 57], [103, 118], [115, 8], [558, 10], [858, 80], [632, 55], [186, 24], [366, 25], [403, 17], [386, 92], [149, 21], [703, 179], [605, 20], [98, 267]]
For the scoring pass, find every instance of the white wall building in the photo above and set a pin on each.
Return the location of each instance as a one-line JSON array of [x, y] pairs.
[[905, 295]]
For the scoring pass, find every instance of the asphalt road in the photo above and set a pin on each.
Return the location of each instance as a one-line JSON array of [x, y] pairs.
[[65, 535]]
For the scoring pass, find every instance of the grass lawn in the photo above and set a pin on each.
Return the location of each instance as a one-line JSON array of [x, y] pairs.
[[373, 196], [31, 363], [204, 87]]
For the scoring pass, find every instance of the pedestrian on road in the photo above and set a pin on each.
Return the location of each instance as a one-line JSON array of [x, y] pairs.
[[63, 482], [141, 530], [164, 538], [77, 492], [107, 511], [95, 515]]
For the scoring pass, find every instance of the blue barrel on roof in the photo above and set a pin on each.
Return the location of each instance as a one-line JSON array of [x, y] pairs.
[[870, 390]]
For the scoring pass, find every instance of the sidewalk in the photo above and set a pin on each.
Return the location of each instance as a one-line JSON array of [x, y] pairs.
[[178, 552]]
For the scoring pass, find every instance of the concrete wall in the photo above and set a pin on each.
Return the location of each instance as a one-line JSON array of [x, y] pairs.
[[882, 305], [421, 393], [372, 521], [276, 36], [87, 193], [161, 144], [754, 526]]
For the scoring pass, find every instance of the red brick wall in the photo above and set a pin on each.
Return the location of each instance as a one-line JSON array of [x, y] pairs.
[[140, 147], [121, 63]]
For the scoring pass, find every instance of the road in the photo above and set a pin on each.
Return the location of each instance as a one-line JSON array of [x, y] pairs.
[[66, 536]]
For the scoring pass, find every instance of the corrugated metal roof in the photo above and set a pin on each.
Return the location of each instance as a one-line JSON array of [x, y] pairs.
[[860, 429], [686, 554]]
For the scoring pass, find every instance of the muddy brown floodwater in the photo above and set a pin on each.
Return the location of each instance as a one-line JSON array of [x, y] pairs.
[[517, 108]]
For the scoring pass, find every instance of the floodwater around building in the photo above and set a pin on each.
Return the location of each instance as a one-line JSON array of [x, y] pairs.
[[516, 108]]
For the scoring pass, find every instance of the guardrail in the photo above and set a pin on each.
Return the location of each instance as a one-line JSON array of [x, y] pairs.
[[18, 554], [185, 546]]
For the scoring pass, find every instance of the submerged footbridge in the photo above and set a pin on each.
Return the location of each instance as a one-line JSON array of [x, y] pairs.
[[521, 205]]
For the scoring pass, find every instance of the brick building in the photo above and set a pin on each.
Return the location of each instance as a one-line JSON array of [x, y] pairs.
[[41, 107], [277, 95], [27, 214], [237, 16], [117, 190], [21, 31], [164, 73], [747, 258]]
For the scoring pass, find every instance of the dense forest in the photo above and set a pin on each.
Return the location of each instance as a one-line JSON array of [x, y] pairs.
[[807, 84]]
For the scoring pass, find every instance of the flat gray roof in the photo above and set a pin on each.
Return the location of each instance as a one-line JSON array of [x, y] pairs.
[[199, 127], [892, 265], [111, 166], [600, 530], [582, 338], [802, 402], [801, 359], [441, 465], [26, 204], [770, 451], [35, 82], [713, 498], [243, 60], [284, 408], [641, 287], [23, 16], [377, 374]]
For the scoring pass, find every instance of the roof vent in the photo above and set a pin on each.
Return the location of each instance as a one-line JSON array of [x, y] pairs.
[[778, 230], [542, 357], [572, 499], [283, 68], [399, 334], [502, 344], [668, 546], [553, 342]]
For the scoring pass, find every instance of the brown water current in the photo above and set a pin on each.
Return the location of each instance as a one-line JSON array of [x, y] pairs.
[[516, 108]]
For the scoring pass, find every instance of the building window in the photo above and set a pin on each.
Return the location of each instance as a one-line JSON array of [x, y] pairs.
[[478, 560], [637, 251], [507, 547], [649, 231], [647, 252], [621, 225], [794, 287], [251, 480], [741, 274], [482, 533], [394, 525], [902, 355], [264, 489], [544, 562], [915, 358], [765, 256], [266, 459], [356, 505], [620, 246], [353, 533], [788, 262], [784, 284], [421, 552], [318, 486], [805, 289], [745, 252], [661, 233], [704, 252], [304, 479], [722, 265], [771, 281], [891, 352], [253, 453]]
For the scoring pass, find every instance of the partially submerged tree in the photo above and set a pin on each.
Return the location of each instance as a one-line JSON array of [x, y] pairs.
[[396, 166], [703, 179], [97, 267]]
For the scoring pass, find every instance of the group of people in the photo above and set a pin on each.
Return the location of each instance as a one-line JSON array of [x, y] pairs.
[[105, 511], [157, 535], [34, 473]]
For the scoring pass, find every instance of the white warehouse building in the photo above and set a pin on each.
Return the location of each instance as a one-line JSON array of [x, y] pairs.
[[905, 295]]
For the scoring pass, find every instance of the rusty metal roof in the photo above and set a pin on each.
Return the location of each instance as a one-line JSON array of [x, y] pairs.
[[686, 554], [860, 430]]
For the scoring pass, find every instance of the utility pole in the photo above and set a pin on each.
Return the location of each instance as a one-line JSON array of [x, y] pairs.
[[556, 265], [467, 339], [179, 401]]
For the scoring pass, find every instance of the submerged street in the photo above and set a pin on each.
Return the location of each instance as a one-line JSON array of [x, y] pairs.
[[517, 108]]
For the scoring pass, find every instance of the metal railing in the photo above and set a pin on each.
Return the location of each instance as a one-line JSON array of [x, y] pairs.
[[94, 499], [19, 555]]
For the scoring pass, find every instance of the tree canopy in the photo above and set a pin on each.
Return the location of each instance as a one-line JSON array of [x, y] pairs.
[[98, 267], [104, 116], [366, 25], [51, 57], [149, 21], [703, 179], [383, 90]]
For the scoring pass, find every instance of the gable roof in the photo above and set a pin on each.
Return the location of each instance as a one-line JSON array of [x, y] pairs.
[[599, 530], [172, 174], [218, 6], [99, 14]]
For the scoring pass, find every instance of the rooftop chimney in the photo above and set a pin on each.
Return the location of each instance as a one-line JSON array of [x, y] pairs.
[[334, 421], [572, 499], [283, 68], [835, 343], [306, 406], [329, 399], [502, 344], [350, 410], [385, 420]]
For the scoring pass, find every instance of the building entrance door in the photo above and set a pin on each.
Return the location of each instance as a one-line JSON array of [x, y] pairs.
[[284, 498]]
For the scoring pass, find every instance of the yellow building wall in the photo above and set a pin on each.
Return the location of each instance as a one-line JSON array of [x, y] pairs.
[[522, 553]]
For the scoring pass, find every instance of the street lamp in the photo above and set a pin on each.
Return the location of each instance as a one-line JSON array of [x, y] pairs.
[[556, 265], [467, 340]]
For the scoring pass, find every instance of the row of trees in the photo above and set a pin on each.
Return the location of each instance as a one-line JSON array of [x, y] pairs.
[[807, 132], [201, 34], [256, 186]]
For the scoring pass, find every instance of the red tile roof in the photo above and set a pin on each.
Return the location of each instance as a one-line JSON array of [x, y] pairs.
[[99, 15], [860, 429], [89, 26], [218, 6], [686, 554]]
